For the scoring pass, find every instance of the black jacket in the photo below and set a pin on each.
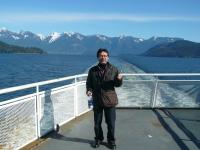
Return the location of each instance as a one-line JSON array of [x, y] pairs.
[[103, 89]]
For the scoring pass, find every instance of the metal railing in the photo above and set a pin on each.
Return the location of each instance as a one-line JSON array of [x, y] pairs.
[[27, 118], [160, 90]]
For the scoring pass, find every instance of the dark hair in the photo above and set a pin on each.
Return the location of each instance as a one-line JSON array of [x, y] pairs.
[[102, 50]]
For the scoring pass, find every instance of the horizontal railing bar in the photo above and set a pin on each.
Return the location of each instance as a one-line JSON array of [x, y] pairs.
[[161, 74], [60, 79], [179, 80], [32, 85], [160, 80], [140, 80], [17, 88], [15, 101], [70, 86]]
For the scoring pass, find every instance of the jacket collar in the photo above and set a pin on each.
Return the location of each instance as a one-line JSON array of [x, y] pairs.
[[108, 65]]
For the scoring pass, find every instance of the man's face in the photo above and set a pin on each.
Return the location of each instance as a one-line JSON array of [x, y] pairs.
[[103, 58]]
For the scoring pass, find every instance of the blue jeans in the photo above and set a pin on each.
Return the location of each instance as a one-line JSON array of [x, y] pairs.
[[110, 117]]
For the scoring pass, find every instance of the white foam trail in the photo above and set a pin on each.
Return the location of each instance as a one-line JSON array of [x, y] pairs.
[[139, 94]]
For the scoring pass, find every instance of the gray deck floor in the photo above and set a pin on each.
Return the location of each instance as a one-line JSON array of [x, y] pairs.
[[136, 129]]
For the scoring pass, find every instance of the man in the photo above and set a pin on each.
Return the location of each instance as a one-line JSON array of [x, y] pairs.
[[101, 82]]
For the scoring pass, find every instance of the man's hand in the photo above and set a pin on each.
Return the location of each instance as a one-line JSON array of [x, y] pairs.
[[119, 77], [89, 93]]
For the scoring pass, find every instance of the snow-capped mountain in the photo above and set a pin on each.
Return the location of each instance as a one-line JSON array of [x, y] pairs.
[[54, 36], [76, 43]]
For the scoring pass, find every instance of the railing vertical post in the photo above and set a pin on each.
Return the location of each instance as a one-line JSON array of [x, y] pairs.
[[155, 93], [75, 98], [38, 111]]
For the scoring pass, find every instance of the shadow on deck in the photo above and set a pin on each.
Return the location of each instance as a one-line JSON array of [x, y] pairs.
[[138, 129]]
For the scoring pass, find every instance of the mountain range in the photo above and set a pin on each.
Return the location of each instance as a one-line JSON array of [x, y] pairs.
[[76, 43], [181, 48]]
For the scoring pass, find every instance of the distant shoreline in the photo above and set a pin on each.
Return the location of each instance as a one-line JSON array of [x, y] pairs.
[[23, 53]]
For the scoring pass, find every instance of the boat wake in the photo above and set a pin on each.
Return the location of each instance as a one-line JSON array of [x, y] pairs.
[[139, 91]]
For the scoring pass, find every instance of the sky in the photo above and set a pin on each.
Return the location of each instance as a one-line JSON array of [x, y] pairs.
[[137, 18]]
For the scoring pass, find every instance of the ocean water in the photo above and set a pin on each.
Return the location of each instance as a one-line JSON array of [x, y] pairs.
[[18, 69], [164, 64]]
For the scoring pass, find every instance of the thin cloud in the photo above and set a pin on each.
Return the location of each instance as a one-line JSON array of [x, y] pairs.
[[72, 17]]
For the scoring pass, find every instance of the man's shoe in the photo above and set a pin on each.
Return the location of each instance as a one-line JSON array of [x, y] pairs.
[[112, 145], [96, 144]]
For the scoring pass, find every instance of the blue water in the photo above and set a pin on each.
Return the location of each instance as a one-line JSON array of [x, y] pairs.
[[19, 69], [164, 64]]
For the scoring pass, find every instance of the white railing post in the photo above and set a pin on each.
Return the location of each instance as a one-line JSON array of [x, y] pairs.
[[38, 112], [153, 102], [75, 98]]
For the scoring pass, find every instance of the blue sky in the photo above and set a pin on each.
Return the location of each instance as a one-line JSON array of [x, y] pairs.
[[138, 18]]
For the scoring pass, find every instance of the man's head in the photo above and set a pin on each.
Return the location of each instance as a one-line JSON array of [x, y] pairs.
[[103, 55]]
